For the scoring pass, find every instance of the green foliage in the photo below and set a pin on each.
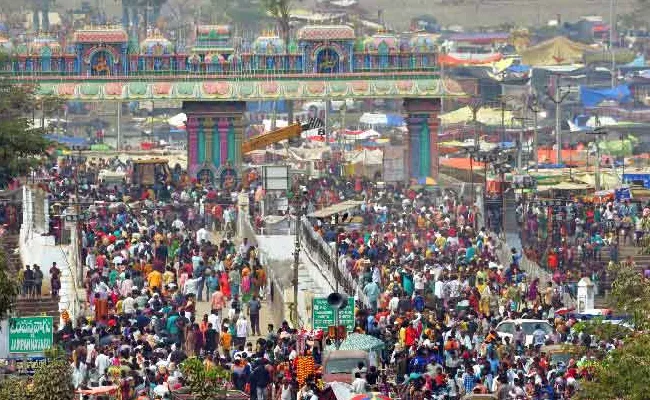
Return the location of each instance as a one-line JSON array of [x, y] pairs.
[[281, 11], [8, 287], [20, 144], [602, 330], [53, 381], [631, 294], [205, 383], [14, 388], [623, 374]]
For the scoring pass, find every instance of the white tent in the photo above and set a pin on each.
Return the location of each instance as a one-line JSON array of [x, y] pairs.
[[177, 120], [374, 119], [279, 123]]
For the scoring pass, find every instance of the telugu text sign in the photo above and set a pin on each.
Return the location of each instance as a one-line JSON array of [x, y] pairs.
[[323, 315], [30, 334]]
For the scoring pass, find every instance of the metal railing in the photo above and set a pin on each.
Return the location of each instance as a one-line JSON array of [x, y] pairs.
[[324, 254]]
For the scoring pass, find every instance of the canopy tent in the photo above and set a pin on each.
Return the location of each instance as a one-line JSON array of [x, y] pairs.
[[619, 148], [461, 163], [392, 120], [458, 59], [556, 51], [608, 180], [178, 120], [365, 156], [592, 97], [564, 186], [336, 209], [485, 116], [361, 135], [583, 123]]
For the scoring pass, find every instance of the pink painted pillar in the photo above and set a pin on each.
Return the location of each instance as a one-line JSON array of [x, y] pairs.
[[192, 143], [223, 140]]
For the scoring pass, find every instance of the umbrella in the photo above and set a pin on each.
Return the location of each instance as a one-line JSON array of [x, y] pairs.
[[370, 396], [426, 181], [357, 341]]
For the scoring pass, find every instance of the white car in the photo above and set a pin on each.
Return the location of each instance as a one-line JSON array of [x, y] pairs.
[[507, 328]]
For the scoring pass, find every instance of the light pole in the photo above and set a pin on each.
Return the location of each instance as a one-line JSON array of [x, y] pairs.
[[558, 98], [598, 130], [296, 253], [535, 108]]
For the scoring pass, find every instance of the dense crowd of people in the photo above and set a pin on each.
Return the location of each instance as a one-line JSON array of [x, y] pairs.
[[429, 285], [581, 237]]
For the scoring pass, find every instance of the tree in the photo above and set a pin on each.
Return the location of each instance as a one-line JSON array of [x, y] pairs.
[[631, 294], [280, 10], [52, 381], [206, 383], [21, 145], [8, 288], [623, 374]]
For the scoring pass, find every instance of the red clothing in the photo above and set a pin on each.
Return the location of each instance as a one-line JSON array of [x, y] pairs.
[[410, 336]]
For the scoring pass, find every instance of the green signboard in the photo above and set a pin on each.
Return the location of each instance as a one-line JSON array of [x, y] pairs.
[[30, 334], [323, 314]]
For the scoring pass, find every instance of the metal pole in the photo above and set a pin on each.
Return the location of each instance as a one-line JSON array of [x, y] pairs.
[[337, 273], [296, 262], [558, 125], [520, 150], [612, 26], [536, 158], [597, 163], [119, 129], [503, 121], [503, 202]]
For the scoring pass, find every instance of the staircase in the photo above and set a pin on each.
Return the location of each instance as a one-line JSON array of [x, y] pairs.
[[23, 306]]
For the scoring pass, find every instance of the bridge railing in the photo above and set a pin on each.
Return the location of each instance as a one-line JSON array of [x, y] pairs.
[[325, 255]]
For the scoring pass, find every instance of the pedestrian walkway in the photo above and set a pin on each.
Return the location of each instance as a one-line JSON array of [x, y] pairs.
[[203, 307]]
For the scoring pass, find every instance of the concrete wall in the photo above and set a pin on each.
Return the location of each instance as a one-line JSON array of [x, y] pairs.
[[37, 248]]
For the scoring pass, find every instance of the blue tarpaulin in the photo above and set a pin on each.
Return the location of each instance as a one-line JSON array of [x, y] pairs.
[[68, 140], [591, 97], [518, 69], [633, 178]]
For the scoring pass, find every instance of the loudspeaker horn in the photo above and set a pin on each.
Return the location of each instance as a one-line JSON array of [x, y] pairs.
[[337, 300]]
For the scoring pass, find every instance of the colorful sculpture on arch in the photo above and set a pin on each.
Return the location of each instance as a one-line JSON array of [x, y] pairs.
[[104, 51]]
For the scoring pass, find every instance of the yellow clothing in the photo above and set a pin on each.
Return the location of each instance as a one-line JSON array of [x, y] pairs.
[[155, 279]]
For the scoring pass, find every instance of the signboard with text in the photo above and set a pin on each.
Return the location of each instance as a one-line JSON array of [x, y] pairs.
[[30, 334], [323, 314]]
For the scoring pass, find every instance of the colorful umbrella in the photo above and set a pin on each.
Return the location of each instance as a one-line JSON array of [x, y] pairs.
[[370, 396]]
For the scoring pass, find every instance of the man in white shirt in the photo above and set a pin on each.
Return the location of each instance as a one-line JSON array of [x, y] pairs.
[[214, 320], [128, 305], [393, 304], [359, 384], [202, 235], [102, 362], [191, 286], [241, 327]]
